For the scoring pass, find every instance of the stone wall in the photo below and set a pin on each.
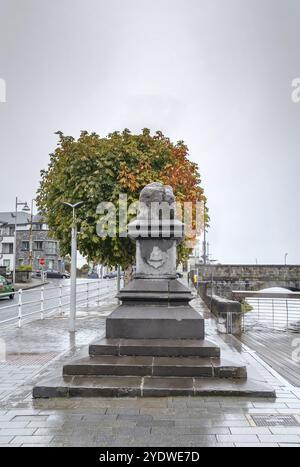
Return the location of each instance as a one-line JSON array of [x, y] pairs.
[[227, 277]]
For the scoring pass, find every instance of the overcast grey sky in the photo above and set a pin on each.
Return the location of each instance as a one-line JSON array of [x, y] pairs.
[[215, 73]]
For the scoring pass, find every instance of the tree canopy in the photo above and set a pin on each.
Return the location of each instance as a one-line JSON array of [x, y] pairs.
[[94, 169]]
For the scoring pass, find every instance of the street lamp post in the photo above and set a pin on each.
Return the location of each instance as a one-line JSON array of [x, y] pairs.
[[31, 235], [72, 318], [25, 208], [285, 258]]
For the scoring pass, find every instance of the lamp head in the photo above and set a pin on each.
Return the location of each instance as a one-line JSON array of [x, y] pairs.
[[73, 206], [26, 207]]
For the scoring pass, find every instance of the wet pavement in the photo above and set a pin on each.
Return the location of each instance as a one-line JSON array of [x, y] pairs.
[[279, 348], [40, 347]]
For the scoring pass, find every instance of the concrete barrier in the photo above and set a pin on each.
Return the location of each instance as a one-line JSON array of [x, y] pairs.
[[23, 277], [227, 312]]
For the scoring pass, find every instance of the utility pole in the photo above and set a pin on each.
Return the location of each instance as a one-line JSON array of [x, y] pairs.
[[205, 255], [25, 208], [30, 236], [72, 317]]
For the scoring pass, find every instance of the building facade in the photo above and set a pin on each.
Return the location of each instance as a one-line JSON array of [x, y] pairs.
[[33, 243]]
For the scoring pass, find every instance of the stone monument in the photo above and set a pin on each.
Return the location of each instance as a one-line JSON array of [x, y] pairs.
[[155, 343], [155, 305]]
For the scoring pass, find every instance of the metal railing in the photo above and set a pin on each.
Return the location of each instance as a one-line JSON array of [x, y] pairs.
[[51, 299], [271, 310]]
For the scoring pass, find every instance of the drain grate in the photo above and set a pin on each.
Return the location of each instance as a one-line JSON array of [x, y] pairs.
[[275, 420]]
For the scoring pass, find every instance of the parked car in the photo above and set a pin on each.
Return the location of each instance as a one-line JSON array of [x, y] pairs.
[[6, 288], [179, 275], [113, 275], [54, 274], [110, 275]]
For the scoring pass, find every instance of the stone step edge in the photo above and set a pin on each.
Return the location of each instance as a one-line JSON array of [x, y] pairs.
[[93, 367], [98, 348], [262, 389]]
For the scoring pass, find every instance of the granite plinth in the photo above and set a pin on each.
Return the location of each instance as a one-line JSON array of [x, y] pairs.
[[155, 322], [158, 291]]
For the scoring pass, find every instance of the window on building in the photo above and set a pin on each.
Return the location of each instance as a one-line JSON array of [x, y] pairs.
[[7, 231], [51, 248], [38, 246], [37, 226], [25, 246], [6, 263], [20, 262], [7, 248]]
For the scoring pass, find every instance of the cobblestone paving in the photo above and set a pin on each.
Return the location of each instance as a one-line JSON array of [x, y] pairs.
[[106, 422]]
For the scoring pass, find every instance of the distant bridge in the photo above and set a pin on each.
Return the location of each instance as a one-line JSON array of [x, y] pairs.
[[228, 277]]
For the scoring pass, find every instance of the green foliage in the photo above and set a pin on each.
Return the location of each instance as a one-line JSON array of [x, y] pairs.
[[246, 307], [95, 169], [24, 268]]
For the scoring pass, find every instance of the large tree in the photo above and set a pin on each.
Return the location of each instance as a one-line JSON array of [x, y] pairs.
[[95, 169]]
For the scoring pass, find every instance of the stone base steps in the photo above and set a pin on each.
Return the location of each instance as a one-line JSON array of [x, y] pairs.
[[118, 367], [133, 386], [155, 366], [155, 347]]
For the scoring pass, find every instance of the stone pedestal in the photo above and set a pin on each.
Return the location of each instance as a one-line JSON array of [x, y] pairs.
[[155, 309], [155, 304], [153, 322], [154, 344]]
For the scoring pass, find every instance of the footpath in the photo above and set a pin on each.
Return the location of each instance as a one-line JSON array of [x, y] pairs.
[[32, 352]]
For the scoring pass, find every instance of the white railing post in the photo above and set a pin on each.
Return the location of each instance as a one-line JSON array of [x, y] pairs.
[[42, 303], [98, 291], [60, 299], [20, 308]]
